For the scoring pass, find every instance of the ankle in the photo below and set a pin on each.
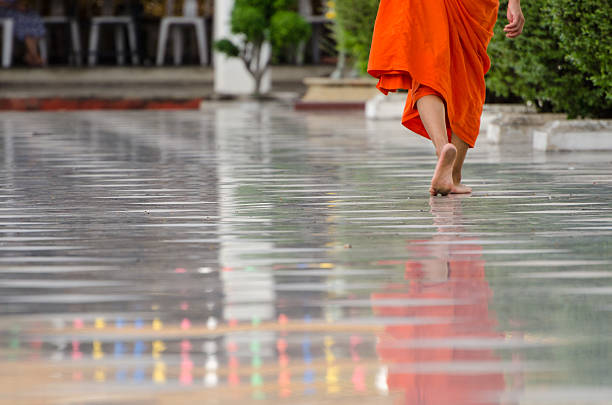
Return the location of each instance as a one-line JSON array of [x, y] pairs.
[[441, 148]]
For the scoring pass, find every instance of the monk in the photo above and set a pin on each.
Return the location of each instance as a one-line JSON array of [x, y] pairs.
[[437, 50]]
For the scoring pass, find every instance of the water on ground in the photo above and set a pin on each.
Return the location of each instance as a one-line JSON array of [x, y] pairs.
[[249, 253]]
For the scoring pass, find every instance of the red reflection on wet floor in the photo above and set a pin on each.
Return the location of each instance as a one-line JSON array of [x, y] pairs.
[[459, 293]]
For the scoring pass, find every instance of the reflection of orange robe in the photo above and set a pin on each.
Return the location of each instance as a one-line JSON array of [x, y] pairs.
[[466, 316], [435, 47]]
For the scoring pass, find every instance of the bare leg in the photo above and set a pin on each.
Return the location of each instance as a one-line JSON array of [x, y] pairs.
[[32, 56], [462, 149], [432, 111]]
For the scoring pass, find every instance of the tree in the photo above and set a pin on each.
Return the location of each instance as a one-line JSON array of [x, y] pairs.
[[256, 22]]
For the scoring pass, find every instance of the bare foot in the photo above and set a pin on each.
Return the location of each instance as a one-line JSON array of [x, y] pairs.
[[442, 181], [460, 189]]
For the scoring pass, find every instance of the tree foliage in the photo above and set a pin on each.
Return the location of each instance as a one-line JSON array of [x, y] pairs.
[[584, 30], [552, 64], [355, 19], [255, 22], [287, 29]]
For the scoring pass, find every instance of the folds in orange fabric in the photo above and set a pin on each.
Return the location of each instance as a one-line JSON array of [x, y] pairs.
[[393, 81], [435, 47]]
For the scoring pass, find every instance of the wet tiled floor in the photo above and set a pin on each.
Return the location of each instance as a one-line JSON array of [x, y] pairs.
[[252, 254]]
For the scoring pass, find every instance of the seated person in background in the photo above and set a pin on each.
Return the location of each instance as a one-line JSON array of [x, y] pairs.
[[29, 27]]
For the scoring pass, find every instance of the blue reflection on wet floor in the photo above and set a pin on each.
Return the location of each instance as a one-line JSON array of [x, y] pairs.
[[164, 257]]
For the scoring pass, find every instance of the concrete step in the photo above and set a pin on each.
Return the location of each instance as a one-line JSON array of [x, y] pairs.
[[574, 135], [517, 127], [136, 82]]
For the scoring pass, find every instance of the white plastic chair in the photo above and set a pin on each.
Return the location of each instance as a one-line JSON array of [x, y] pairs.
[[190, 17], [8, 34], [8, 30], [118, 22], [58, 17]]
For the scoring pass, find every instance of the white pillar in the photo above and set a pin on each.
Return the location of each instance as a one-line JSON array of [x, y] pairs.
[[231, 77]]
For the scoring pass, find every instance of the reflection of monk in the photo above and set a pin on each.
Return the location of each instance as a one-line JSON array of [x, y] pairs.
[[454, 283], [437, 49]]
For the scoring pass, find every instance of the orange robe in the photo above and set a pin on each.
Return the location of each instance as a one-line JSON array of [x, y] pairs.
[[435, 47]]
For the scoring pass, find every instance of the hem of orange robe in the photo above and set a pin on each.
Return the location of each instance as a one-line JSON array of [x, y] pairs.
[[409, 122], [385, 90], [415, 87], [411, 92], [450, 128], [464, 135], [420, 128]]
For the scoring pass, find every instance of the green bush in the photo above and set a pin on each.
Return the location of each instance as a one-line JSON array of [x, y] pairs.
[[356, 19], [584, 29], [552, 64]]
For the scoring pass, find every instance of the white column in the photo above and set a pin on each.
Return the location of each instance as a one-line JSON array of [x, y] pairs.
[[231, 77]]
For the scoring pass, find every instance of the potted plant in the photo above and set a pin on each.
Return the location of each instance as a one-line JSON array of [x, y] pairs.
[[257, 22]]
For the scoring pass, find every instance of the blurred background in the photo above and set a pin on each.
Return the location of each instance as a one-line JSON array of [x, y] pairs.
[[164, 50], [53, 22], [202, 49]]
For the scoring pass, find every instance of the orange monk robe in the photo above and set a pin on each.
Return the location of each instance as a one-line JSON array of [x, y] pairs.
[[435, 47]]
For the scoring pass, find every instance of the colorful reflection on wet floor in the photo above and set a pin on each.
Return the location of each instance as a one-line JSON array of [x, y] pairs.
[[250, 253]]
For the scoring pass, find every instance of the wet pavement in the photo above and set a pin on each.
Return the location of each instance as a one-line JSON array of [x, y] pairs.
[[252, 254]]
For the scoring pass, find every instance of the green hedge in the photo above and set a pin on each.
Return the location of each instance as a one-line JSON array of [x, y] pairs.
[[356, 20], [584, 29], [562, 60]]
